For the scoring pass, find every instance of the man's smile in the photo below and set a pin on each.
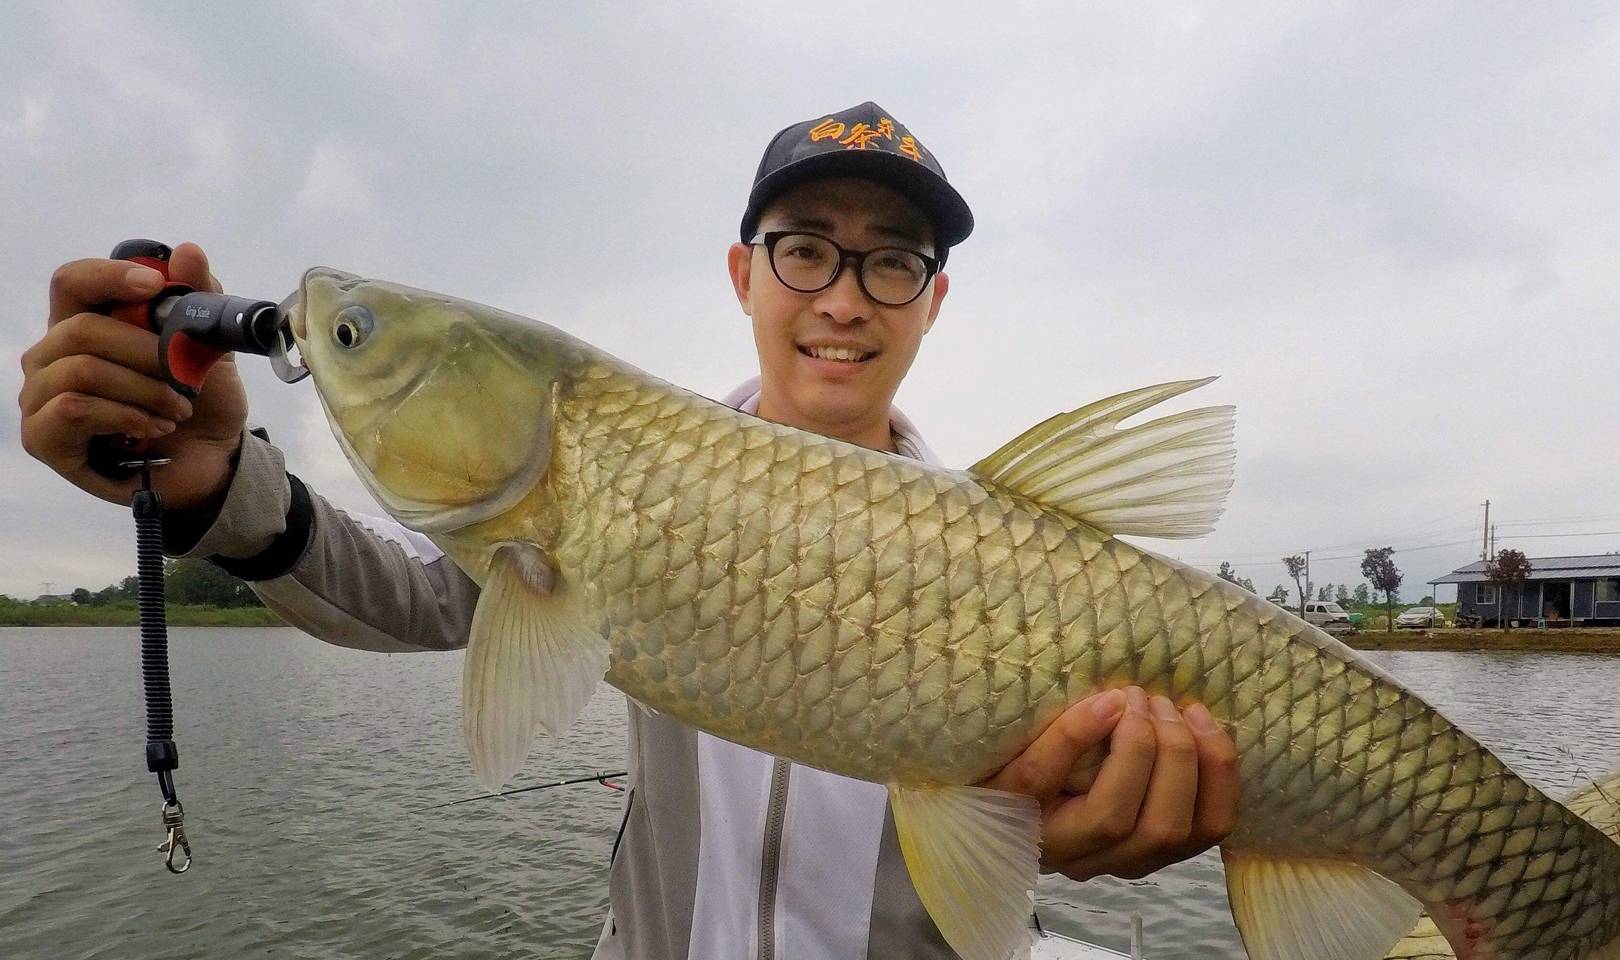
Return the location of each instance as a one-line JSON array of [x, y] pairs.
[[835, 352]]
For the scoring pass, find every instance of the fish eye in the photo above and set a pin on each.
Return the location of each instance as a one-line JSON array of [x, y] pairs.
[[352, 326]]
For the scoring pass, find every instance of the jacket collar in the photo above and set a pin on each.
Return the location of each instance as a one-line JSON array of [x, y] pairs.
[[906, 436]]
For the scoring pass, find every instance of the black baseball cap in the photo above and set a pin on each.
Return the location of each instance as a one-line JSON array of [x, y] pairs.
[[864, 141]]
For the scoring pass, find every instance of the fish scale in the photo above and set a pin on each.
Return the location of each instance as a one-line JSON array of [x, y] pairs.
[[915, 626]]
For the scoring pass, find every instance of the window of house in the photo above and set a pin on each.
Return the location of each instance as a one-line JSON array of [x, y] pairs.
[[1608, 590], [1484, 593]]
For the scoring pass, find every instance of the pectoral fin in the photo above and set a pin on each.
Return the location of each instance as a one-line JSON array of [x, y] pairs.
[[533, 661], [973, 855], [1315, 909]]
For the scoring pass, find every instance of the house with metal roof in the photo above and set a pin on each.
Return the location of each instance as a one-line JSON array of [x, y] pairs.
[[1561, 591]]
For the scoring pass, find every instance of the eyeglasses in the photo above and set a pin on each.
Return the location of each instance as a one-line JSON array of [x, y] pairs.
[[810, 263]]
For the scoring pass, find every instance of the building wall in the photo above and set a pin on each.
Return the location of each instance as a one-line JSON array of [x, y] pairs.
[[1526, 604]]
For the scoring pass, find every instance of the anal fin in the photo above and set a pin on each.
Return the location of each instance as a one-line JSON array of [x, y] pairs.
[[974, 856], [1299, 909], [533, 660]]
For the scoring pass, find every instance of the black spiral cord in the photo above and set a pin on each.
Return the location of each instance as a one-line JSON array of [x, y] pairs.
[[162, 756]]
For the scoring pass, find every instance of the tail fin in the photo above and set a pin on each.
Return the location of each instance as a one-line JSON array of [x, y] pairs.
[[1599, 805]]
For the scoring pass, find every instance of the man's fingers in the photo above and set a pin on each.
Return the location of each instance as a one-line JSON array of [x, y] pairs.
[[97, 336], [189, 265], [1045, 764], [88, 284], [1083, 774], [1107, 815], [87, 374], [58, 431], [1166, 820], [1219, 785]]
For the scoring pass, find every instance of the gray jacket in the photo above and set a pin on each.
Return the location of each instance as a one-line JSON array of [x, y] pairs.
[[725, 852]]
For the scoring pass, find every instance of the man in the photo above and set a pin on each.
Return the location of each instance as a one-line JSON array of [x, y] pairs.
[[725, 852]]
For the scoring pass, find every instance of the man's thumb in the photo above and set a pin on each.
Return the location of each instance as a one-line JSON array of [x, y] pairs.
[[189, 265]]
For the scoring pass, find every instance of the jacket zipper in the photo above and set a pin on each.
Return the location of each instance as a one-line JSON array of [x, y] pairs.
[[775, 814]]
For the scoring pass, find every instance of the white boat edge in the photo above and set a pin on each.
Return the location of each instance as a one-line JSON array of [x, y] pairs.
[[1055, 946]]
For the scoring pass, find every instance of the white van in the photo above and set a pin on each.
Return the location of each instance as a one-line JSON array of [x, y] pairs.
[[1327, 615]]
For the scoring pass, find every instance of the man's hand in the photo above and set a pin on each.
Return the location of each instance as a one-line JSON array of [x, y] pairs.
[[91, 375], [1166, 790]]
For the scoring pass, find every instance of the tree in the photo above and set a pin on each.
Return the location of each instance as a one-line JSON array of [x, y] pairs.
[[1322, 592], [1380, 570], [1343, 594], [1363, 596], [1230, 576], [81, 596], [1509, 568], [1296, 569], [196, 581], [1278, 595]]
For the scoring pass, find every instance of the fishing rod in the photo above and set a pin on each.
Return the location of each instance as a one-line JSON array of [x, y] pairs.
[[601, 778], [195, 328]]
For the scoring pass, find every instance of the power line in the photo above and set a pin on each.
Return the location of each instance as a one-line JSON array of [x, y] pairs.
[[1546, 536], [1260, 559]]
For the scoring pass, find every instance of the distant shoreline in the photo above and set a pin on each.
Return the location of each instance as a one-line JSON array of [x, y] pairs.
[[1572, 640], [179, 615], [1452, 640]]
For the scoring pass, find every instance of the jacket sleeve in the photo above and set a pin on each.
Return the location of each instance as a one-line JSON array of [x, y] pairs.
[[359, 581]]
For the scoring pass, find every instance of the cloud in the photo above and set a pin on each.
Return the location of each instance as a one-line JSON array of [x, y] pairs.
[[1389, 231]]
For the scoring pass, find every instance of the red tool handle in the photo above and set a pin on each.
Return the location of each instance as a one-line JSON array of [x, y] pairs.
[[185, 360], [109, 454]]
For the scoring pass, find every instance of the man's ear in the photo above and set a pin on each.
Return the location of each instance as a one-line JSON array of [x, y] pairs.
[[942, 284], [740, 263]]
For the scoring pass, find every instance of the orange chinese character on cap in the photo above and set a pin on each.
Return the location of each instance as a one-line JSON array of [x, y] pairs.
[[886, 127], [859, 136], [825, 129], [908, 146]]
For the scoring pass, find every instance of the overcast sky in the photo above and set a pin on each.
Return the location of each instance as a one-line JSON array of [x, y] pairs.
[[1392, 229]]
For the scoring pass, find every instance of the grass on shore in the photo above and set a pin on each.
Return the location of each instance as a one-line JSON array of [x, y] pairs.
[[1571, 640], [15, 614]]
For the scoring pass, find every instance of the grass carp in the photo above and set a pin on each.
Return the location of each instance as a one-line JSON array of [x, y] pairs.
[[918, 627]]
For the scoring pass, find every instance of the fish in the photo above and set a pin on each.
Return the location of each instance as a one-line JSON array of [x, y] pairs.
[[918, 626]]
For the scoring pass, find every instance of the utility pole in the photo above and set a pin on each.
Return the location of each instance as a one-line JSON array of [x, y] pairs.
[[1307, 572], [1485, 535]]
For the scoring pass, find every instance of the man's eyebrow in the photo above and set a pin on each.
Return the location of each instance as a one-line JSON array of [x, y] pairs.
[[895, 231], [800, 221], [899, 233]]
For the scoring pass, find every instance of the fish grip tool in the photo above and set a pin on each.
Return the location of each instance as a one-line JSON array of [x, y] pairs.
[[194, 328]]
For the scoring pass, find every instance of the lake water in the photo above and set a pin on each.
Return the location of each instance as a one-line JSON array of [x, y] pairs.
[[305, 769]]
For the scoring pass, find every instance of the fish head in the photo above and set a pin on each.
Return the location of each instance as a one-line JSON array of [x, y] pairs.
[[442, 406]]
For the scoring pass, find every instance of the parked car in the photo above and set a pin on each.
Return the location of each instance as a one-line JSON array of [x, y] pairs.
[[1421, 618]]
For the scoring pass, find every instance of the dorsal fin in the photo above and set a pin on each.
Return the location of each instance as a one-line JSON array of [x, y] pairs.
[[1164, 478]]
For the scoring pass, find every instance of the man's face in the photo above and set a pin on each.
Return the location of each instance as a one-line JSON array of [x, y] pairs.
[[798, 334]]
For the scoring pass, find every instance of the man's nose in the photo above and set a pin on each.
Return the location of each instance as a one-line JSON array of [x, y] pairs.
[[844, 301]]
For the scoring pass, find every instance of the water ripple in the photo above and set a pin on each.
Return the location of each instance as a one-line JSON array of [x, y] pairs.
[[306, 771]]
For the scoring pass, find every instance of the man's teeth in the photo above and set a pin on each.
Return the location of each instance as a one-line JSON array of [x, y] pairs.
[[836, 353]]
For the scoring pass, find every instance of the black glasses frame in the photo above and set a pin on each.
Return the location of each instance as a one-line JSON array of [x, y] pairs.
[[770, 239]]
